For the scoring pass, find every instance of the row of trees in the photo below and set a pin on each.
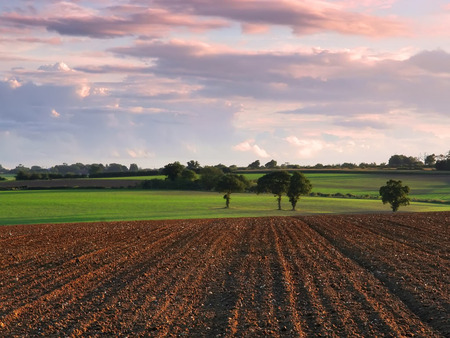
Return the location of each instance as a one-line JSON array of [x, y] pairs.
[[278, 183], [439, 162]]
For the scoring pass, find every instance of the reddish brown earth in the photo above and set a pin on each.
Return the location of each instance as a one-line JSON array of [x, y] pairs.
[[63, 183], [358, 275]]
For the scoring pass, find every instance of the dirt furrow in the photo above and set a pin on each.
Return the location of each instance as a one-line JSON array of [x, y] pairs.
[[376, 308], [395, 266], [297, 321], [348, 275], [132, 270], [61, 300]]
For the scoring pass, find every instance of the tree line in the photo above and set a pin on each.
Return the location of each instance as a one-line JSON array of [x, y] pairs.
[[221, 179], [278, 183]]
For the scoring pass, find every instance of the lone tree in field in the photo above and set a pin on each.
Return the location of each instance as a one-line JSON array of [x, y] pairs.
[[298, 185], [276, 182], [395, 194], [230, 183]]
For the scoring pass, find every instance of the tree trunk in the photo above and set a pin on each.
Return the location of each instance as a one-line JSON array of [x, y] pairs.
[[279, 202]]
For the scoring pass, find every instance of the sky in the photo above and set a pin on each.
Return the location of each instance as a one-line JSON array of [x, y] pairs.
[[156, 81]]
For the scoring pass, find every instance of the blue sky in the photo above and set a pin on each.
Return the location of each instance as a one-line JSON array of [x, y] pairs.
[[151, 82]]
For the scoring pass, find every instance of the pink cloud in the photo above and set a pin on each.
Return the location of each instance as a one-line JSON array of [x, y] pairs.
[[121, 21], [50, 41], [249, 146], [304, 17]]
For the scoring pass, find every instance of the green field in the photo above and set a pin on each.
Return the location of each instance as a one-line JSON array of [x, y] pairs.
[[55, 206], [424, 185]]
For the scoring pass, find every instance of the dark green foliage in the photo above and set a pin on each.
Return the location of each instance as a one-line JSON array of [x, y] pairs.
[[96, 169], [188, 175], [395, 194], [298, 185], [276, 182], [133, 167], [271, 164], [254, 165], [173, 170], [209, 176], [115, 168], [230, 183], [443, 162], [194, 166], [402, 161]]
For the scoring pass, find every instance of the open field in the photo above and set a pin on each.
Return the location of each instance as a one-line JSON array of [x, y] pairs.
[[425, 185], [69, 205], [349, 275]]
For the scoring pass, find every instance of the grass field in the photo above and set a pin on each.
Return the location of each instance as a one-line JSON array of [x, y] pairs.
[[56, 206], [424, 185]]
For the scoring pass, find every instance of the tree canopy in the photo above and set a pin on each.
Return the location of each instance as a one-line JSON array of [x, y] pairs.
[[276, 182], [395, 194], [298, 185], [173, 170], [230, 183]]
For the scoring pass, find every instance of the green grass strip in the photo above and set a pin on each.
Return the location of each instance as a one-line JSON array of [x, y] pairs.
[[57, 206]]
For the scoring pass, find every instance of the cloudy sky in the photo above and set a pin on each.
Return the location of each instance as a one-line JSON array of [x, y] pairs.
[[154, 81]]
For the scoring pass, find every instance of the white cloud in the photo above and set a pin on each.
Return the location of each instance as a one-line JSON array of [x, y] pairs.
[[13, 83], [306, 149], [56, 67], [55, 114], [249, 146]]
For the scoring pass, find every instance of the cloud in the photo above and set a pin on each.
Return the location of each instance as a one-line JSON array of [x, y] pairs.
[[436, 61], [303, 17], [250, 146], [57, 67], [55, 114], [117, 21], [306, 149]]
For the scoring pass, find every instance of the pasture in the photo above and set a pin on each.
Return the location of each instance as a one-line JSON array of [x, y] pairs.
[[81, 205], [424, 185]]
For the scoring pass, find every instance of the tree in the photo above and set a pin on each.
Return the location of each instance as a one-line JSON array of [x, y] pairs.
[[430, 160], [404, 161], [173, 170], [395, 194], [254, 165], [276, 182], [298, 185], [96, 168], [209, 176], [271, 164], [443, 162], [133, 167], [188, 175], [116, 168], [194, 166], [230, 183]]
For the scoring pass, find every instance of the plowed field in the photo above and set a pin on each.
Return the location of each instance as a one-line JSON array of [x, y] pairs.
[[348, 275]]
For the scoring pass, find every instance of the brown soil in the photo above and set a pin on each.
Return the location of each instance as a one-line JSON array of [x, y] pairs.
[[358, 275], [62, 183]]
